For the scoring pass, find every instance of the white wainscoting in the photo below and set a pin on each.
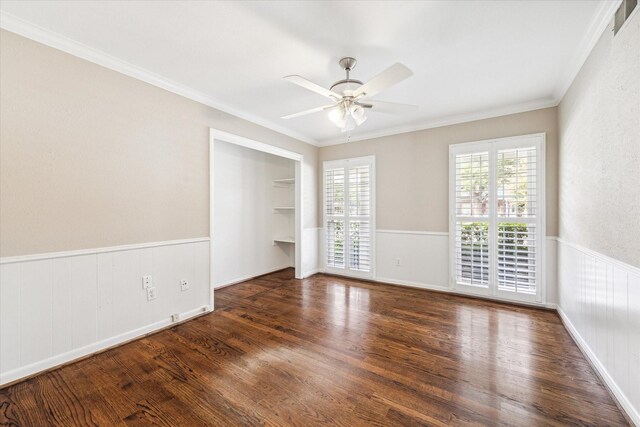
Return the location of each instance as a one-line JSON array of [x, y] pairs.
[[58, 307], [599, 302], [424, 261], [424, 258], [310, 251]]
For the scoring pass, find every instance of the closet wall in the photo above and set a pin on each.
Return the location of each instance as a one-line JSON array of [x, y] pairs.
[[245, 220]]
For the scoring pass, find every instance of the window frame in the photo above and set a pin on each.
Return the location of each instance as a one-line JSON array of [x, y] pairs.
[[492, 146], [346, 164]]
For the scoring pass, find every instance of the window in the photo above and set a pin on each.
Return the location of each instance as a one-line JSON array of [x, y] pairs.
[[348, 216], [623, 13], [497, 213]]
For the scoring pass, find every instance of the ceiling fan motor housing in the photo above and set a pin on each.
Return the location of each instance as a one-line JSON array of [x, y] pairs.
[[343, 85]]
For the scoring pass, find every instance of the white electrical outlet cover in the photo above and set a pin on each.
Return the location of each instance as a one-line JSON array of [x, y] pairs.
[[147, 282], [151, 293]]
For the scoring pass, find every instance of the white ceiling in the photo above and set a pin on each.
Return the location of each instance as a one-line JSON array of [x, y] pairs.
[[470, 59]]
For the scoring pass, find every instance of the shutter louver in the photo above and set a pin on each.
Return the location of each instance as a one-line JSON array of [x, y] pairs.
[[348, 216], [472, 219], [516, 212], [359, 211], [335, 204], [497, 222]]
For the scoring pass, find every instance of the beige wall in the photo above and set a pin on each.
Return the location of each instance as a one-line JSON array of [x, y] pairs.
[[413, 168], [599, 122], [92, 158]]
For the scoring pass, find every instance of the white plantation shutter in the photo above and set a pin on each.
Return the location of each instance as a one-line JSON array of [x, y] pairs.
[[472, 219], [516, 214], [335, 214], [348, 209], [359, 218], [497, 215]]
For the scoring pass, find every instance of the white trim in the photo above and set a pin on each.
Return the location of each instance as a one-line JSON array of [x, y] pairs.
[[597, 27], [105, 344], [420, 233], [345, 164], [411, 284], [219, 135], [93, 251], [42, 35], [311, 272], [446, 290], [445, 121], [599, 24], [463, 147], [633, 269], [237, 280], [211, 196], [298, 217], [491, 147], [436, 233], [598, 366], [626, 21]]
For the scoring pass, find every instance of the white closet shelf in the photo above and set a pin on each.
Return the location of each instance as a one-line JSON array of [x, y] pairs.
[[285, 240], [284, 181]]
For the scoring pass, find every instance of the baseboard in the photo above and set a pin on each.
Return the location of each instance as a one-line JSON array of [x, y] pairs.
[[411, 284], [22, 373], [310, 273], [249, 277], [447, 290], [618, 395]]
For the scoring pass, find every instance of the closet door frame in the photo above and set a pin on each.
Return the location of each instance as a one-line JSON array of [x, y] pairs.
[[218, 135]]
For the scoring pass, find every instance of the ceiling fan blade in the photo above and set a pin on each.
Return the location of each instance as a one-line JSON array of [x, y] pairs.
[[311, 111], [388, 107], [389, 77], [301, 81]]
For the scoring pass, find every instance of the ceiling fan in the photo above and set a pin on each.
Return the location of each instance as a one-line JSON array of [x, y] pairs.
[[349, 95]]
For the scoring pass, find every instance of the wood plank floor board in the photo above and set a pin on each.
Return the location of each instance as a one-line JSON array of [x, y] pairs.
[[329, 351]]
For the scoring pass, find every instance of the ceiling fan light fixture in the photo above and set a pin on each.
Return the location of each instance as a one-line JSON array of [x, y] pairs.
[[357, 112], [347, 111], [336, 115], [347, 118]]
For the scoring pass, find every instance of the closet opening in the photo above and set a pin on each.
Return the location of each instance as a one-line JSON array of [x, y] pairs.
[[256, 209]]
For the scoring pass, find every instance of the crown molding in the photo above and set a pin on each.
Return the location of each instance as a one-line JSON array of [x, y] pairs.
[[599, 24], [447, 121], [42, 35], [34, 32]]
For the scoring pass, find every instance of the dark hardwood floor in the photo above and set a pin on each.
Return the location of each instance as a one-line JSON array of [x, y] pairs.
[[327, 350]]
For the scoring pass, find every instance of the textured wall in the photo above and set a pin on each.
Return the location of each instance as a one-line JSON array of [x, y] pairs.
[[599, 124], [412, 169], [92, 158]]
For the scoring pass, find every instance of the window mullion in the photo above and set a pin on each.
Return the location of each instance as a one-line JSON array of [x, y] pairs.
[[347, 217], [493, 225]]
